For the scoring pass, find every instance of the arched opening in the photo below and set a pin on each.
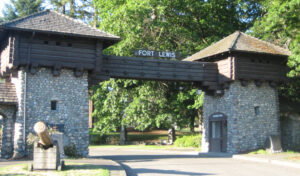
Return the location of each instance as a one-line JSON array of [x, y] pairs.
[[7, 116]]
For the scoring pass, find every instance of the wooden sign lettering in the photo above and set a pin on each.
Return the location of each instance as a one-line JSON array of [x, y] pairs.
[[151, 53]]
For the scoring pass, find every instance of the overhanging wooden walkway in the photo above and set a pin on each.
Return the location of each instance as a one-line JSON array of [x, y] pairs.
[[157, 69]]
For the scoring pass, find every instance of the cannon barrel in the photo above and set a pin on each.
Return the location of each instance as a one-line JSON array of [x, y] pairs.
[[41, 130]]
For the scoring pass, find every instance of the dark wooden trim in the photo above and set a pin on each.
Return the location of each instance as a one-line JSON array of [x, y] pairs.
[[99, 56], [16, 50]]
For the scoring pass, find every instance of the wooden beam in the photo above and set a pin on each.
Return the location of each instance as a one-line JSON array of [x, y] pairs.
[[99, 56]]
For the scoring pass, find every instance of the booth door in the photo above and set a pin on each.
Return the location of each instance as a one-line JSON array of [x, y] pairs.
[[218, 137]]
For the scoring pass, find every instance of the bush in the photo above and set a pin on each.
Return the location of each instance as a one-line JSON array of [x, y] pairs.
[[31, 138], [188, 141], [71, 151]]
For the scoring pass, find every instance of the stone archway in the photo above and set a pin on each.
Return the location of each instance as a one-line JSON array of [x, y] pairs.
[[8, 113]]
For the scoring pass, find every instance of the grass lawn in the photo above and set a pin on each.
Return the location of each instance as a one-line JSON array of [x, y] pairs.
[[74, 169], [285, 155]]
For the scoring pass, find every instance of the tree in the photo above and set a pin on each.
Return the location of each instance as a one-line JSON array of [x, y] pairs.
[[280, 24], [79, 9], [20, 8], [166, 25], [61, 6]]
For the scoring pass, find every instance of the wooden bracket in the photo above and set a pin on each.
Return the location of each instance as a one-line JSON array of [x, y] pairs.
[[258, 83], [56, 70], [78, 72], [273, 84], [33, 68], [244, 83]]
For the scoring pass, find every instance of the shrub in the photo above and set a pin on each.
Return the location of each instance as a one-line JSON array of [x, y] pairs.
[[188, 141], [71, 151], [31, 138]]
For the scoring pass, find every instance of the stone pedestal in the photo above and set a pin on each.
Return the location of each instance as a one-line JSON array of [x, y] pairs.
[[46, 159]]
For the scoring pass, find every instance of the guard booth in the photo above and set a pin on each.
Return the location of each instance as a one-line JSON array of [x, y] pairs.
[[218, 133]]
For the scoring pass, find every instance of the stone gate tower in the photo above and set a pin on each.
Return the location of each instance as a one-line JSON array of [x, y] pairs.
[[46, 59], [245, 113]]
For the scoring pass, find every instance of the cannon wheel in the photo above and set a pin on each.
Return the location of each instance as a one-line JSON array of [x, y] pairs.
[[61, 166], [30, 167]]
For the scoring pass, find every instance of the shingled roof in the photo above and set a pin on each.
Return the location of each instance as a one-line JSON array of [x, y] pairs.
[[242, 42], [49, 21], [8, 93]]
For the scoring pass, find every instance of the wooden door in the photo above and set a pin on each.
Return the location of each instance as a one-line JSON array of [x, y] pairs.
[[215, 143], [218, 132]]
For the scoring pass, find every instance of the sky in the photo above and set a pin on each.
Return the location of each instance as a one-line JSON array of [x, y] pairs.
[[2, 2]]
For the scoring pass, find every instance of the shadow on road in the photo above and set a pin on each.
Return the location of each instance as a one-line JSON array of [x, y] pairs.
[[148, 158], [144, 158], [132, 172]]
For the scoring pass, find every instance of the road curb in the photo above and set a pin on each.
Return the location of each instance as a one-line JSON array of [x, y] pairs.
[[270, 161]]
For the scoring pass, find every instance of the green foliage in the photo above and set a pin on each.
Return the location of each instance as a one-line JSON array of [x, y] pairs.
[[71, 168], [188, 141], [114, 138], [181, 26], [280, 24], [20, 8], [83, 10], [31, 138], [260, 151]]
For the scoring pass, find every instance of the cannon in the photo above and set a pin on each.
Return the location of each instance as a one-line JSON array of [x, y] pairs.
[[46, 155]]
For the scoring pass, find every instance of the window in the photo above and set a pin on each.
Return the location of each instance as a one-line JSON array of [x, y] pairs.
[[46, 42], [216, 129], [57, 43], [69, 44], [256, 110], [53, 105]]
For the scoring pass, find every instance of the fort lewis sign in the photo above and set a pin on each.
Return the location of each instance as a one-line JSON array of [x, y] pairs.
[[152, 53]]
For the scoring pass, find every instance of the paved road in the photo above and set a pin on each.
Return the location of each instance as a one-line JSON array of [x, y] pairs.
[[153, 162]]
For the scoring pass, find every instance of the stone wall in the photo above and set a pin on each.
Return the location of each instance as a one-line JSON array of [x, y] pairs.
[[8, 113], [246, 130], [290, 131], [71, 95]]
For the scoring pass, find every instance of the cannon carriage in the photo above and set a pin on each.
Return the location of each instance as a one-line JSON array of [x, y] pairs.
[[46, 152]]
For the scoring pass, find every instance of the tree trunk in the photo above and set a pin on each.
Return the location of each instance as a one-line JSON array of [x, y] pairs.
[[95, 16], [200, 115], [123, 135], [72, 8], [64, 9], [192, 122]]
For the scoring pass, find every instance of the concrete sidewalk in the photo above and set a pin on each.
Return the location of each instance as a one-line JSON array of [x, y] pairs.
[[115, 169], [275, 159]]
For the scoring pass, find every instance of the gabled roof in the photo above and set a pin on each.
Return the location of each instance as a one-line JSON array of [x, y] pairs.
[[239, 41], [49, 21], [8, 93]]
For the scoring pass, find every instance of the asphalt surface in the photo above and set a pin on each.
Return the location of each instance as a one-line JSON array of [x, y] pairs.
[[157, 162]]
